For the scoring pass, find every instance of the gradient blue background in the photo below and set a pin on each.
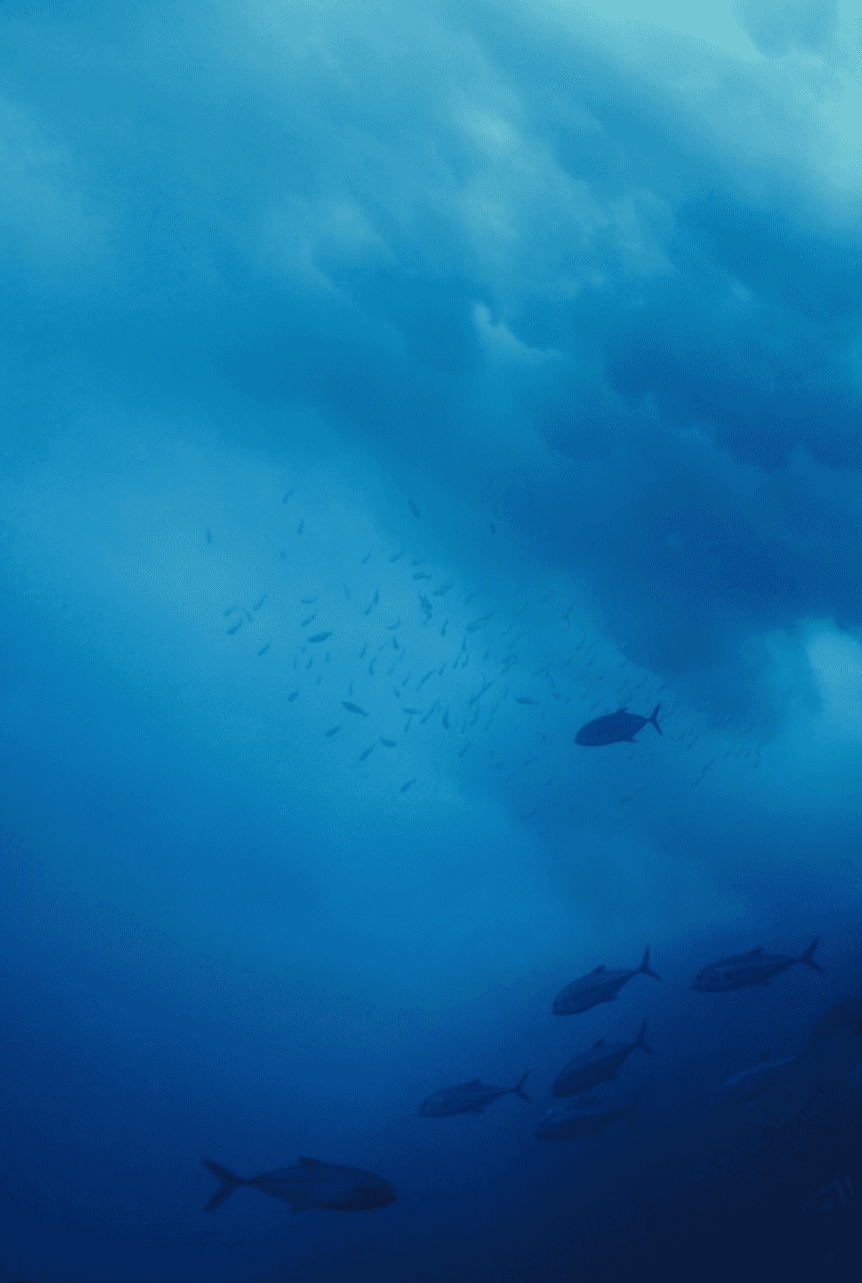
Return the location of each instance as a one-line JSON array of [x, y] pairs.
[[582, 281]]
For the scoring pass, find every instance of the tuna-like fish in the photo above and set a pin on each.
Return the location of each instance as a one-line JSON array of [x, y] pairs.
[[598, 1065], [752, 968], [583, 1118], [597, 986], [353, 708], [469, 1098], [311, 1184], [615, 728], [525, 699], [750, 1083], [388, 743], [414, 509], [319, 637]]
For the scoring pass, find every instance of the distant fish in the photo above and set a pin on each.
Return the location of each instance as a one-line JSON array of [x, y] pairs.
[[596, 987], [264, 649], [446, 719], [395, 556], [209, 535], [472, 597], [353, 708], [292, 696], [463, 750], [414, 509], [442, 591], [474, 699], [367, 555], [346, 592], [367, 753], [752, 968], [525, 699], [364, 649], [405, 787], [371, 666], [388, 743], [424, 679], [306, 622], [583, 1118], [412, 712], [260, 603], [311, 1184], [468, 1098], [230, 610], [598, 1065], [287, 496], [421, 574], [748, 1084], [231, 631], [319, 637], [478, 623], [301, 526], [391, 627], [417, 561], [443, 629], [615, 728], [333, 730], [309, 601], [427, 608]]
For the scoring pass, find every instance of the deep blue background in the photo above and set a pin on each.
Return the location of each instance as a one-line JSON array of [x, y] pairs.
[[582, 286]]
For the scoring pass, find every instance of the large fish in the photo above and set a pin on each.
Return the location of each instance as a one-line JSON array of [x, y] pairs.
[[620, 727], [748, 1084], [469, 1098], [598, 1065], [311, 1184], [597, 986], [583, 1118], [752, 968]]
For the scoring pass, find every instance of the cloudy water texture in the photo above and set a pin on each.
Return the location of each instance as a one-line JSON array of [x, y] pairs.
[[389, 391]]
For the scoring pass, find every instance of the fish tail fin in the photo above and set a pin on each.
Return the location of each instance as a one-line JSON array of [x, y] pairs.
[[808, 957], [641, 1041], [518, 1089], [646, 968], [630, 1113], [653, 717], [229, 1183]]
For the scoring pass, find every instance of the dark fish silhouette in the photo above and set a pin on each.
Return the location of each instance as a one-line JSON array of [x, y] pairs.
[[368, 751], [598, 1065], [292, 696], [230, 610], [525, 699], [287, 496], [231, 631], [260, 603], [600, 985], [306, 622], [615, 728], [333, 730], [319, 637], [752, 968], [441, 592], [264, 649], [583, 1118], [311, 1184], [388, 743], [405, 787], [478, 623], [353, 708], [395, 556], [301, 526], [414, 509], [469, 1098], [748, 1084]]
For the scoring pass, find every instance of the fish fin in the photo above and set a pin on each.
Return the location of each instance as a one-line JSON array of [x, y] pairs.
[[765, 1054], [751, 952], [808, 958], [600, 1043], [641, 1041], [653, 717], [630, 1113], [621, 710], [596, 970], [229, 1183], [518, 1089], [645, 967]]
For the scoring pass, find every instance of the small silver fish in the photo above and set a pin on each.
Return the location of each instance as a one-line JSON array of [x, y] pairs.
[[353, 708], [319, 637], [468, 1098]]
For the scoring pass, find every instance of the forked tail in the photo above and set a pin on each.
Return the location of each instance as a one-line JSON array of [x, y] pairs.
[[808, 957], [654, 719], [229, 1183], [641, 1041], [646, 968], [518, 1089]]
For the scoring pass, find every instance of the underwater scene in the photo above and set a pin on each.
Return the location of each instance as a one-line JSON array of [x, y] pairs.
[[431, 666]]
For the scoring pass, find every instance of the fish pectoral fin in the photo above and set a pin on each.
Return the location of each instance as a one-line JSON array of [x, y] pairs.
[[595, 971], [752, 952], [474, 1082]]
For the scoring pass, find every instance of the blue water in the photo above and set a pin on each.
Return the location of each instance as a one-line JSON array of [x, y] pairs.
[[513, 351]]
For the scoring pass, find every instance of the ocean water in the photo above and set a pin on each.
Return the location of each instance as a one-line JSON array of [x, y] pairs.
[[390, 391]]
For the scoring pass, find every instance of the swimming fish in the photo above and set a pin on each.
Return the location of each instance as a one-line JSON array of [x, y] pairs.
[[469, 1098], [260, 603], [368, 751], [395, 556], [405, 787], [441, 591], [306, 622], [478, 623], [598, 1065], [414, 509], [300, 527], [311, 1184], [421, 574], [230, 610], [319, 637], [525, 699], [615, 728], [292, 696], [353, 708], [388, 743], [333, 730], [231, 631], [744, 1086], [752, 968], [583, 1118], [600, 985], [264, 649]]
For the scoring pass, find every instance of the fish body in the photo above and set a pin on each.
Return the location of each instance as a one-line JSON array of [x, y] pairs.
[[620, 727], [353, 708], [583, 1118], [753, 968], [442, 591], [421, 574], [260, 603], [598, 1065], [307, 621], [333, 730], [600, 985], [319, 637], [311, 1184], [292, 696], [366, 754], [405, 787], [750, 1083], [468, 1098], [478, 623], [264, 649], [231, 631], [414, 509], [387, 743], [525, 699]]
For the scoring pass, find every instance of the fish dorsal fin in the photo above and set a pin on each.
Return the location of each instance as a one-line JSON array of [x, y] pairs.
[[474, 1082], [625, 709], [752, 952], [311, 1162], [595, 971], [765, 1054], [600, 1043]]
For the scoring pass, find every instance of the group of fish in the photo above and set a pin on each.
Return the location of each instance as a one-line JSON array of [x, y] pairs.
[[311, 1183]]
